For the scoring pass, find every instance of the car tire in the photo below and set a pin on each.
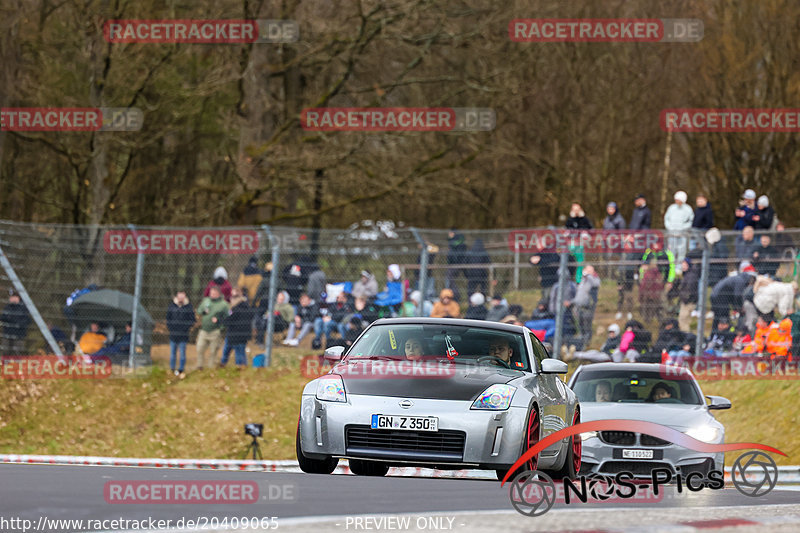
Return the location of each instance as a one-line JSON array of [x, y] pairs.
[[572, 462], [533, 431], [314, 466], [368, 468]]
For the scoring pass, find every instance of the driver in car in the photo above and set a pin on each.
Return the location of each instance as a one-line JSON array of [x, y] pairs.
[[660, 391], [602, 392], [413, 349], [499, 348]]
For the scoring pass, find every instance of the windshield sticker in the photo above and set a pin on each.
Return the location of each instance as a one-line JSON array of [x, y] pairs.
[[392, 339], [451, 351]]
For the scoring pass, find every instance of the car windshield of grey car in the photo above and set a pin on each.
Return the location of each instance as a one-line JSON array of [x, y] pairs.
[[639, 387], [469, 345]]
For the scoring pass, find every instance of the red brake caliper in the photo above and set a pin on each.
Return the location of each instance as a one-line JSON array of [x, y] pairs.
[[577, 443], [533, 438]]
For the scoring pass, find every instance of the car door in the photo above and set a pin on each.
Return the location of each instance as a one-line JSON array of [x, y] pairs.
[[552, 395]]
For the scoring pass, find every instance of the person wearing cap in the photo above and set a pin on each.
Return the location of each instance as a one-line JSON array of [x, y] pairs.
[[476, 310], [614, 219], [764, 217], [641, 217], [15, 322], [446, 307], [747, 208], [678, 219], [366, 287]]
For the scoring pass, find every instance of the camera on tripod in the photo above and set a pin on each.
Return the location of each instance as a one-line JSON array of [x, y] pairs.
[[255, 431]]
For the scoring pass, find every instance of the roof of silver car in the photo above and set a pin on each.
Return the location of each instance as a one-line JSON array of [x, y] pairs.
[[453, 322]]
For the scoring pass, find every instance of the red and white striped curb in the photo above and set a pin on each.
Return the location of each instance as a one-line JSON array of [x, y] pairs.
[[786, 474], [287, 465]]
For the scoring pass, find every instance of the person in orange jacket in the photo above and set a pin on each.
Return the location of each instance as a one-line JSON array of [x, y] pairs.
[[446, 307], [759, 342], [779, 340]]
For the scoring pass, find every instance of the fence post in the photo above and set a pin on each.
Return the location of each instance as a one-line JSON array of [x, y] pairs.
[[137, 294], [273, 291], [563, 277], [423, 271], [516, 266], [702, 288], [26, 299]]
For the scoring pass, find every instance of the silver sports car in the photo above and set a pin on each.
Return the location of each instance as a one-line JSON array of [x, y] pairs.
[[654, 393], [441, 393]]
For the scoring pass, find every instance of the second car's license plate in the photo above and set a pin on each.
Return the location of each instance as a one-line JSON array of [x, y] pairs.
[[410, 423], [637, 454]]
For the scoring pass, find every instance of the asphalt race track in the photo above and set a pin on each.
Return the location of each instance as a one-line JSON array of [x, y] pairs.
[[321, 503]]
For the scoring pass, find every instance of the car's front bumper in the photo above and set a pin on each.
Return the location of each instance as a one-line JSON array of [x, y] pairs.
[[490, 438], [598, 457]]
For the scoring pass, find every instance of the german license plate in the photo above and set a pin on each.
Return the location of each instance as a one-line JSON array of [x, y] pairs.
[[637, 454], [406, 423]]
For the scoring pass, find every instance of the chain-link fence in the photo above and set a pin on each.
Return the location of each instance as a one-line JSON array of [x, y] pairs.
[[84, 289]]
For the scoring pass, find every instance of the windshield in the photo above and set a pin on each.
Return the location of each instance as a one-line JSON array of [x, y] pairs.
[[473, 345], [634, 387]]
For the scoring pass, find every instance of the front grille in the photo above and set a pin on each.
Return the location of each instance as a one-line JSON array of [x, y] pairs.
[[637, 468], [431, 445], [622, 438], [649, 440]]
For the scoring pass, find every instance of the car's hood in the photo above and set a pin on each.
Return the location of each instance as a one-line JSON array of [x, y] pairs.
[[459, 382], [678, 417]]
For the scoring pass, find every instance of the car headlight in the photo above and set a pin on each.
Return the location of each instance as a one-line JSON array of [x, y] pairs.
[[703, 433], [588, 435], [331, 389], [497, 398]]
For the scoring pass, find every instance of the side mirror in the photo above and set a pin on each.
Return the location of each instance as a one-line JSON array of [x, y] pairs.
[[334, 353], [553, 366], [718, 402]]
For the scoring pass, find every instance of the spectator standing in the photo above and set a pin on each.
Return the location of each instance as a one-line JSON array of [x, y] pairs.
[[456, 255], [446, 307], [746, 210], [250, 279], [569, 294], [366, 287], [766, 257], [180, 319], [745, 244], [584, 304], [687, 292], [728, 294], [307, 313], [641, 217], [237, 330], [703, 215], [15, 321], [577, 218], [476, 310], [220, 281], [498, 308], [614, 219], [477, 278], [764, 218], [678, 219], [651, 288], [548, 270], [213, 311]]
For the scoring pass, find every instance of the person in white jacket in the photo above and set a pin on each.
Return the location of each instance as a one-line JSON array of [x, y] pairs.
[[769, 295], [677, 219]]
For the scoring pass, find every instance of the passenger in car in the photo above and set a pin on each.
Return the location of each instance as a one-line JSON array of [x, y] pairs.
[[660, 391]]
